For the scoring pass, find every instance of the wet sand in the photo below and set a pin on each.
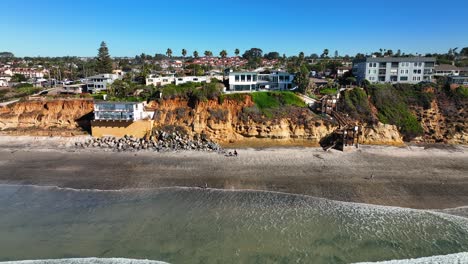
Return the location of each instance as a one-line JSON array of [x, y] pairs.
[[431, 178]]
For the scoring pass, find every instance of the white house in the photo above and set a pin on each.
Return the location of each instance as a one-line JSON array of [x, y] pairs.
[[3, 82], [121, 111], [72, 89], [161, 81], [446, 70], [186, 79], [100, 82], [253, 81], [340, 71]]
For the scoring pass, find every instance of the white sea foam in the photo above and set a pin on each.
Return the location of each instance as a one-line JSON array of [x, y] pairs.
[[86, 261], [458, 258]]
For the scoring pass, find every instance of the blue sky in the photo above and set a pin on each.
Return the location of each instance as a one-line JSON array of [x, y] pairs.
[[60, 28]]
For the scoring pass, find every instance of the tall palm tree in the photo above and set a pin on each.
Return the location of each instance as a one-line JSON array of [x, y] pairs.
[[169, 53], [223, 54], [184, 53], [208, 53], [195, 54], [237, 51]]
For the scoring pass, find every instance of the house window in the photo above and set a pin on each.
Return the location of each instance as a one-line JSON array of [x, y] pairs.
[[404, 78], [249, 78], [236, 78], [242, 78]]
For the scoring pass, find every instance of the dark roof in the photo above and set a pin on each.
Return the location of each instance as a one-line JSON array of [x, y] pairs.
[[446, 67], [398, 59]]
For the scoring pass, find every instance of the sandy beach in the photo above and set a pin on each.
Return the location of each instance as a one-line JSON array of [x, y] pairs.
[[416, 177]]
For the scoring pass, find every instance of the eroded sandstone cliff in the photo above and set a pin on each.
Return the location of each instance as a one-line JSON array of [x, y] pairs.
[[53, 117]]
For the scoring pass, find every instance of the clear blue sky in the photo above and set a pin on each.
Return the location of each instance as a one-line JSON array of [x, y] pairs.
[[62, 27]]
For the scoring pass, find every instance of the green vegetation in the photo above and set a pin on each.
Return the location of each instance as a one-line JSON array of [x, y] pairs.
[[416, 94], [393, 109], [238, 97], [269, 102], [461, 92], [328, 91], [104, 61], [357, 105], [192, 91]]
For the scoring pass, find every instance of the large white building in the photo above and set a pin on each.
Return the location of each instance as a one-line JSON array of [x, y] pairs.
[[161, 81], [394, 69], [253, 81], [120, 111], [100, 82]]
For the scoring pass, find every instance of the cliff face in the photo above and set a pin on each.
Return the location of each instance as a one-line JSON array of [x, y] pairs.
[[232, 121], [58, 117], [444, 121]]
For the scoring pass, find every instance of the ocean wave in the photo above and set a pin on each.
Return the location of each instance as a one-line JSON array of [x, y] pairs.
[[442, 259], [363, 206], [86, 261]]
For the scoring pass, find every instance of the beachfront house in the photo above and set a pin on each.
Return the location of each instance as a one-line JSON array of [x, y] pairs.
[[120, 111], [121, 118], [253, 81], [394, 69]]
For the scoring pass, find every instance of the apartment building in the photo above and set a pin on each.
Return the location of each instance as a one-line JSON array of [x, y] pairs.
[[394, 69], [253, 81]]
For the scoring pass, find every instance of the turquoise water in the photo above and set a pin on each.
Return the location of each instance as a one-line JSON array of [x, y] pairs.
[[186, 225]]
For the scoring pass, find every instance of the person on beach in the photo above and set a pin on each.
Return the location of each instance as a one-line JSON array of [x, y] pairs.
[[235, 153]]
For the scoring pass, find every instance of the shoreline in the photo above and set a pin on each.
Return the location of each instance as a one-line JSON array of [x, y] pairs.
[[419, 177]]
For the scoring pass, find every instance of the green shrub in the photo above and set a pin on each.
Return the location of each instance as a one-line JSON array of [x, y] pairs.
[[462, 92], [393, 109], [328, 91], [357, 106], [238, 97]]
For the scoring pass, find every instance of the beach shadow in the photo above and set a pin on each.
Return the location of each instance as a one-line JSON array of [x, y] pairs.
[[84, 122]]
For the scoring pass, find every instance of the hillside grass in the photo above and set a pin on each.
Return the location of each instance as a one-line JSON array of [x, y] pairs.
[[270, 102], [357, 105]]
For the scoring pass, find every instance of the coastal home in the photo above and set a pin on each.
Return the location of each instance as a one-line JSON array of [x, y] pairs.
[[3, 82], [186, 79], [100, 82], [162, 81], [340, 71], [458, 80], [394, 69], [159, 80], [121, 118], [253, 81], [446, 70], [30, 72], [73, 89]]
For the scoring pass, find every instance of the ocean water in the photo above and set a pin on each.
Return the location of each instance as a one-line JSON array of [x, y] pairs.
[[189, 225]]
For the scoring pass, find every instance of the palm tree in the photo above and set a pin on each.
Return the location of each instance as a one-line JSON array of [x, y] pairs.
[[223, 54], [169, 53], [208, 53], [237, 51], [195, 54], [184, 53]]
